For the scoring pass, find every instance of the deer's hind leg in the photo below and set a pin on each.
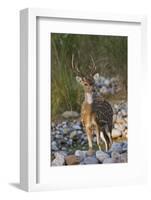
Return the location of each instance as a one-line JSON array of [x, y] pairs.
[[109, 134], [98, 138]]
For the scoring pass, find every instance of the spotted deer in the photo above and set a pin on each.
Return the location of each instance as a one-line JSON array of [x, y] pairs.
[[96, 113]]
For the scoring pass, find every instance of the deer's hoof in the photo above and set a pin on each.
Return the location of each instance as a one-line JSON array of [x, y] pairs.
[[90, 152]]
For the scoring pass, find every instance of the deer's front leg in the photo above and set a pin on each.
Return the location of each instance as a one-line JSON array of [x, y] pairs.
[[89, 132]]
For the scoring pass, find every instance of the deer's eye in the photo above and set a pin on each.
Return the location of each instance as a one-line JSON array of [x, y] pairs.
[[85, 84]]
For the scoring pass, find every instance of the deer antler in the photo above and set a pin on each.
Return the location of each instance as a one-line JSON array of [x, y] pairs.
[[88, 74], [93, 67], [75, 68]]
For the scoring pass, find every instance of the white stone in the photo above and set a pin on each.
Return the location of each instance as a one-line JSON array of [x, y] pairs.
[[120, 127], [70, 114], [116, 133], [59, 160], [73, 134]]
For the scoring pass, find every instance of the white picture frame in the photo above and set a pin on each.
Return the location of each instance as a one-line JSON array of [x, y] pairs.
[[31, 167]]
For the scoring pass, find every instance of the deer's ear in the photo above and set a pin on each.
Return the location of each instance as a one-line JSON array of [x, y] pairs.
[[79, 79]]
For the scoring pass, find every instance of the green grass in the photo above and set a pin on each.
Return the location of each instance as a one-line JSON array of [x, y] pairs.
[[108, 52]]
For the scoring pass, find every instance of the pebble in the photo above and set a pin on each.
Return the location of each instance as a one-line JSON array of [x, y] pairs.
[[64, 149], [124, 158], [108, 160], [77, 127], [80, 154], [116, 147], [79, 132], [100, 155], [124, 146], [90, 160], [116, 157], [65, 130], [54, 146], [58, 136], [70, 141]]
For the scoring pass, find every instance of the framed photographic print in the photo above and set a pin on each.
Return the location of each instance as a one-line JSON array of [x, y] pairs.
[[82, 77]]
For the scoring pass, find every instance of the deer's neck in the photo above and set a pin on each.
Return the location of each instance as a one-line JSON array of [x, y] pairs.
[[88, 98]]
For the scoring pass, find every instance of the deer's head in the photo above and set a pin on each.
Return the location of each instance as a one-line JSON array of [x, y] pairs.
[[85, 79]]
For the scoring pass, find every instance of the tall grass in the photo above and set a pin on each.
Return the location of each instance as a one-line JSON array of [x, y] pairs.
[[110, 56]]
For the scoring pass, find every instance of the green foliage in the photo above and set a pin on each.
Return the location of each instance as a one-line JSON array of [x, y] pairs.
[[108, 52]]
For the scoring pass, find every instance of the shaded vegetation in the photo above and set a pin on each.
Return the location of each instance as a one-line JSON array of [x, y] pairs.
[[108, 52]]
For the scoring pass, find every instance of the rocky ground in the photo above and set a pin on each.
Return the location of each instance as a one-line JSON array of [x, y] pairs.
[[69, 143]]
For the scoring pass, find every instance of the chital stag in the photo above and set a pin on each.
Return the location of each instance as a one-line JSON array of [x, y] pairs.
[[96, 113]]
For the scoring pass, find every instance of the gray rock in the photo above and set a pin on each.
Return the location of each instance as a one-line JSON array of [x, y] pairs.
[[59, 160], [63, 153], [80, 154], [124, 158], [124, 146], [116, 147], [103, 90], [53, 133], [79, 132], [66, 130], [101, 156], [94, 139], [116, 157], [57, 132], [77, 127], [70, 114], [57, 136], [124, 113], [116, 107], [90, 160], [101, 79], [116, 133], [82, 143], [54, 146], [108, 160], [70, 141], [107, 82]]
